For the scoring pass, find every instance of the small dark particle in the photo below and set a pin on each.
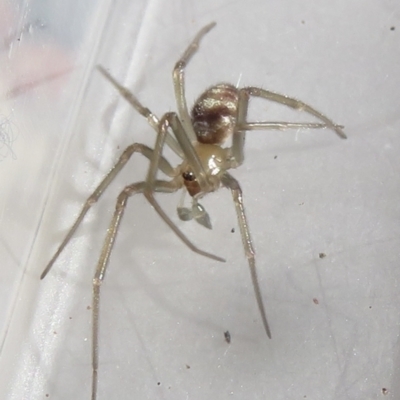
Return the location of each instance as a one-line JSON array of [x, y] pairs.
[[55, 333], [385, 391], [47, 395], [370, 307], [88, 308], [303, 22], [158, 383], [392, 28], [315, 301], [322, 255], [227, 336], [187, 366], [233, 230], [301, 204], [275, 157]]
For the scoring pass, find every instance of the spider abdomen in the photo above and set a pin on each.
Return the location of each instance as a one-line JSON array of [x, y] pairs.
[[214, 114]]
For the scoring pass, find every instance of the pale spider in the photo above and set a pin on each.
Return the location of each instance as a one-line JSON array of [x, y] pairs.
[[219, 113]]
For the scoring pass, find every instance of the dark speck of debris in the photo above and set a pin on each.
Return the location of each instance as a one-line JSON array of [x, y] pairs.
[[88, 308], [303, 22], [370, 307], [187, 366], [233, 230], [315, 301], [392, 28], [275, 157], [385, 391], [227, 336], [158, 383], [322, 255]]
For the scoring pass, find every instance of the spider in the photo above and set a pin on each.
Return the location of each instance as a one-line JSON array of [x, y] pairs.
[[197, 138]]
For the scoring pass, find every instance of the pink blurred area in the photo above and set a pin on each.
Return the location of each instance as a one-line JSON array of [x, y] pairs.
[[28, 60]]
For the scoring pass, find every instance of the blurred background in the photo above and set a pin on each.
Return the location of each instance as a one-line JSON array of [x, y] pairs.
[[324, 213]]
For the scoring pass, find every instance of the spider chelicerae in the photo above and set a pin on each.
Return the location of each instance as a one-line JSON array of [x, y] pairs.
[[197, 138]]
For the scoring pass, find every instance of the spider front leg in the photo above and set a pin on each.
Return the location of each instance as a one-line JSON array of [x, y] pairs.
[[164, 165], [158, 186], [142, 110], [297, 105], [179, 80], [242, 125], [170, 120], [231, 183]]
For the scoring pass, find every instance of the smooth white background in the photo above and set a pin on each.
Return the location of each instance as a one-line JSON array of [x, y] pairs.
[[164, 309]]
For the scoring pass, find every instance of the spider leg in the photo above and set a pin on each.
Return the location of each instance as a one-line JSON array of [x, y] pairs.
[[171, 120], [281, 125], [229, 182], [163, 164], [179, 80], [159, 186], [144, 111], [237, 149], [296, 104], [239, 135]]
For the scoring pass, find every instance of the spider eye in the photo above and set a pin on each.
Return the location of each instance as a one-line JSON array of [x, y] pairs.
[[188, 176]]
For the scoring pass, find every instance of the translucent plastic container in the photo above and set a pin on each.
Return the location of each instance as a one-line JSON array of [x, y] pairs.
[[323, 212]]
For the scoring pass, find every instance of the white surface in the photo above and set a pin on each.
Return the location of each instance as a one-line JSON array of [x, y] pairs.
[[164, 308]]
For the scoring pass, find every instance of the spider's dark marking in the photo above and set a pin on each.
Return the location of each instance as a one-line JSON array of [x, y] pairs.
[[191, 184], [188, 176]]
